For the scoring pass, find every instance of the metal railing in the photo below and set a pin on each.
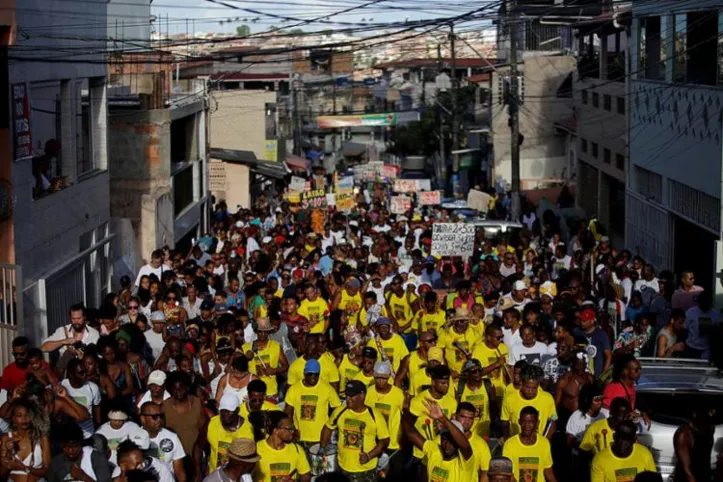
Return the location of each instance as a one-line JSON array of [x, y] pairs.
[[11, 309]]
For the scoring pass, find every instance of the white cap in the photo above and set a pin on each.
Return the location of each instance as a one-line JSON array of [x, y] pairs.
[[353, 223], [278, 210], [239, 224], [141, 438], [158, 316], [117, 415], [157, 377], [230, 402], [599, 268], [267, 239], [519, 285], [403, 269]]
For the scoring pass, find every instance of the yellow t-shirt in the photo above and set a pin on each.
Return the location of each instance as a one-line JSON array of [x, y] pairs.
[[424, 321], [220, 440], [455, 357], [366, 380], [311, 408], [606, 467], [394, 422], [351, 304], [394, 348], [347, 371], [361, 318], [415, 364], [447, 403], [385, 403], [514, 403], [316, 312], [487, 356], [481, 402], [420, 382], [597, 437], [265, 407], [528, 461], [358, 432], [480, 453], [270, 356], [440, 470], [276, 464], [329, 371], [402, 310]]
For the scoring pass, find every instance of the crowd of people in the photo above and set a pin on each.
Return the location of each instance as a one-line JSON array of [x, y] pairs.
[[294, 344]]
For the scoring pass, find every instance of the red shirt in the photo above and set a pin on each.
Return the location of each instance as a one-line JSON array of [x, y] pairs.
[[14, 376], [615, 390]]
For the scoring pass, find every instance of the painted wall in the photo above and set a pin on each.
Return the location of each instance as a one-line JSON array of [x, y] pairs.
[[238, 120], [129, 25]]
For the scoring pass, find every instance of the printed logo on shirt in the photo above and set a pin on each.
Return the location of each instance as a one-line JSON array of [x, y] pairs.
[[389, 353], [531, 358], [529, 467], [626, 474], [478, 400], [353, 434], [308, 407], [222, 453], [462, 348], [166, 445], [439, 474], [279, 470], [384, 408]]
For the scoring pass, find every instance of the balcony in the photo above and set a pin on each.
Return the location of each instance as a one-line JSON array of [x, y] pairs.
[[588, 67], [186, 185]]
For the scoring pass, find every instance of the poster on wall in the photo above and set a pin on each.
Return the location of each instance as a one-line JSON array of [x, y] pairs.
[[22, 136], [453, 239], [271, 150]]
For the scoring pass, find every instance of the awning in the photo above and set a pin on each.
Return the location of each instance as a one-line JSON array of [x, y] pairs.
[[354, 149], [277, 170], [297, 163]]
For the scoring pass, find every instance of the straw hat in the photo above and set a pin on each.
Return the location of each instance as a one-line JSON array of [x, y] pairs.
[[461, 314], [263, 324], [243, 450]]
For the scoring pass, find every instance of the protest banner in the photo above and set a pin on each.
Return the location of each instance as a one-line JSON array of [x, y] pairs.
[[424, 185], [345, 202], [389, 171], [405, 185], [400, 204], [429, 198], [453, 239], [297, 184], [345, 185], [368, 172], [294, 197], [313, 199], [478, 200]]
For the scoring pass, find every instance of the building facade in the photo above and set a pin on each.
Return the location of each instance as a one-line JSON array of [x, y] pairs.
[[673, 203]]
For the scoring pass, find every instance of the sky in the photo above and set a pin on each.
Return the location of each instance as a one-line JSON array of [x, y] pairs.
[[206, 16]]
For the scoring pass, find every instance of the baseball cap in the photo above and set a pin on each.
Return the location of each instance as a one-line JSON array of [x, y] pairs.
[[500, 465], [312, 366], [207, 305], [229, 402], [354, 387], [382, 369], [588, 314], [519, 285], [435, 353], [383, 321], [157, 377], [141, 438], [369, 352], [457, 424], [471, 365], [158, 317], [117, 415]]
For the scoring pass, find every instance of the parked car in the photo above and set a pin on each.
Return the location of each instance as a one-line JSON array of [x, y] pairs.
[[667, 388]]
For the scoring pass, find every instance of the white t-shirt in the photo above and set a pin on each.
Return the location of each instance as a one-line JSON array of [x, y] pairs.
[[578, 422], [532, 355], [166, 447], [4, 425], [155, 341], [87, 396], [90, 335], [147, 270], [559, 264], [511, 339], [507, 271], [147, 398], [115, 437], [86, 465]]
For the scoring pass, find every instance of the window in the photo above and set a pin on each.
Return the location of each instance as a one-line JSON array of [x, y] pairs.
[[595, 99], [583, 145], [607, 102], [680, 33], [620, 161], [584, 96], [651, 49], [621, 105], [594, 150], [607, 156], [702, 48]]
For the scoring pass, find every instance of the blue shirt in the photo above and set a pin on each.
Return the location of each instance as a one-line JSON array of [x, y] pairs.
[[600, 341]]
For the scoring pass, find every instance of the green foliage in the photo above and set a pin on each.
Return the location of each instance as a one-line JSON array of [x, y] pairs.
[[243, 30]]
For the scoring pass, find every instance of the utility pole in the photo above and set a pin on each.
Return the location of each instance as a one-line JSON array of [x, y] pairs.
[[295, 114], [442, 171], [455, 122], [514, 111]]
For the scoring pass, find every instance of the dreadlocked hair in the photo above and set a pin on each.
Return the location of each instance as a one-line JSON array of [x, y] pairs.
[[39, 420]]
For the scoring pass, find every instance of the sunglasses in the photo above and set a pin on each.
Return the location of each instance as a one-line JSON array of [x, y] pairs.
[[154, 416], [133, 307], [20, 354]]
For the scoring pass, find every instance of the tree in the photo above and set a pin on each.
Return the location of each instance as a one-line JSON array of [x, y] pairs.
[[296, 31], [243, 30]]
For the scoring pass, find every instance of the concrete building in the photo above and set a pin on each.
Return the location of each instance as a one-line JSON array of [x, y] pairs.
[[129, 25], [673, 203], [546, 99], [600, 113], [159, 162], [59, 236]]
